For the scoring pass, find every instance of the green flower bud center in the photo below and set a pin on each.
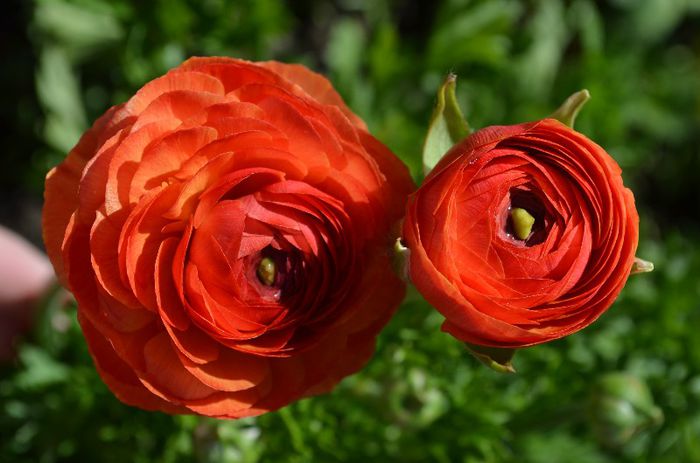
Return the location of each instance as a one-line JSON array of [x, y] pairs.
[[267, 271], [522, 221]]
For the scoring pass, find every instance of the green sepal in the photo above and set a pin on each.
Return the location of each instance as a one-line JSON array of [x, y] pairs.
[[447, 125], [641, 266], [400, 258], [495, 358], [567, 112]]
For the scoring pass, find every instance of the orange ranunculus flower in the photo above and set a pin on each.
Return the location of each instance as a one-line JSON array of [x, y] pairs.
[[558, 271], [224, 234]]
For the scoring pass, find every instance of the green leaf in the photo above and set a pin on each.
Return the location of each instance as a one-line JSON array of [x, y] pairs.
[[495, 358], [474, 35], [447, 125], [345, 54], [40, 370], [58, 90], [80, 30], [567, 112], [538, 65]]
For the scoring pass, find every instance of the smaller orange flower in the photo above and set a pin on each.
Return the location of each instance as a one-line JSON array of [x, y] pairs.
[[521, 234]]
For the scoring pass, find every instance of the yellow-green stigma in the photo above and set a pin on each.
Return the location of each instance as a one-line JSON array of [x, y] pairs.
[[522, 222], [267, 271]]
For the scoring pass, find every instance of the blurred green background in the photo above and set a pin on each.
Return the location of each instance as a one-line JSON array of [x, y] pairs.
[[422, 397]]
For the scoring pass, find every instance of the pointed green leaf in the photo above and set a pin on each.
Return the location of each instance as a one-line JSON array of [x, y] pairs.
[[567, 112], [641, 266], [495, 358], [447, 125]]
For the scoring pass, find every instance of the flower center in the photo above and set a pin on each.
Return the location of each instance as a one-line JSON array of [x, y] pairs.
[[522, 222], [276, 273], [267, 271], [527, 220]]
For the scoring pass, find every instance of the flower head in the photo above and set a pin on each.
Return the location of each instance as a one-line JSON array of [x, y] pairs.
[[521, 234], [223, 233]]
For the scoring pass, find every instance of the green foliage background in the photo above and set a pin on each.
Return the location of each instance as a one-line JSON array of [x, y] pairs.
[[422, 397]]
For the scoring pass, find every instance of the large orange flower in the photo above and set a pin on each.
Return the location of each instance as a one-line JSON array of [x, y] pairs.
[[521, 234], [224, 234]]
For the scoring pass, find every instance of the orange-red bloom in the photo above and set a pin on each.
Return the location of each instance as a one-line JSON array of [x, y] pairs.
[[500, 290], [224, 234]]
